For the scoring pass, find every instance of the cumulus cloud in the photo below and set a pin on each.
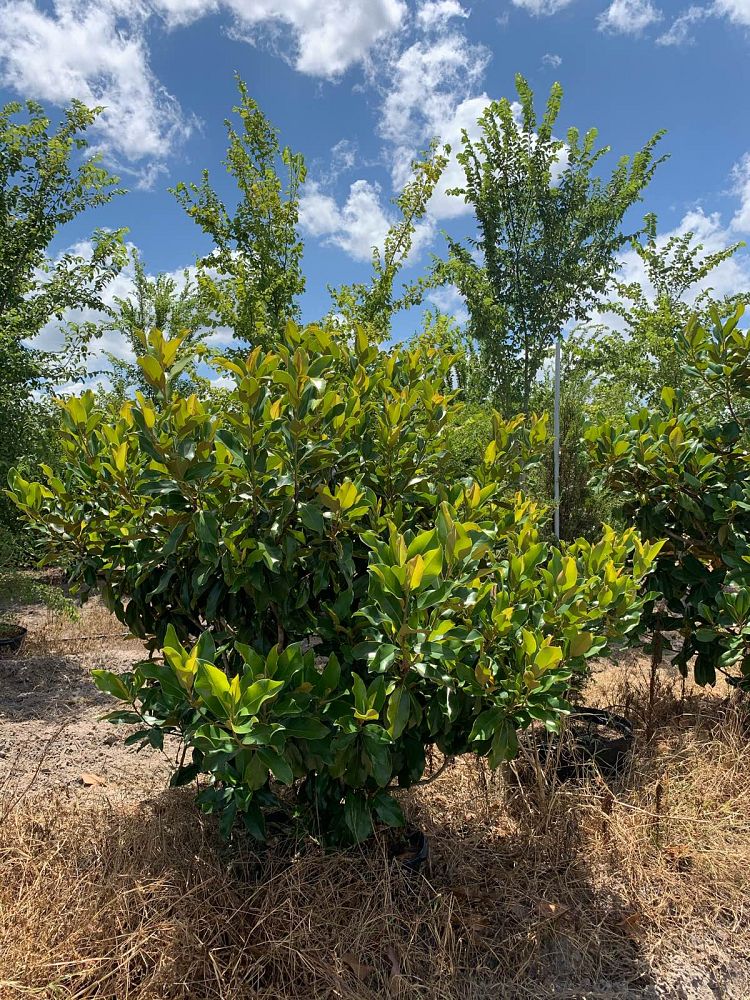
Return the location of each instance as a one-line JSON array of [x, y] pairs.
[[550, 59], [85, 51], [427, 80], [98, 53], [329, 36], [436, 13], [428, 83], [736, 10], [465, 117], [357, 226], [628, 17], [541, 8]]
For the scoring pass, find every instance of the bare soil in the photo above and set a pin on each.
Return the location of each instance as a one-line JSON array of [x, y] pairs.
[[52, 736]]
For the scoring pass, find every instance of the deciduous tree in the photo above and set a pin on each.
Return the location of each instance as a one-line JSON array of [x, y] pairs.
[[549, 229]]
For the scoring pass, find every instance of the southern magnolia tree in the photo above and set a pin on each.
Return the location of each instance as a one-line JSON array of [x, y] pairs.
[[549, 230], [685, 476], [313, 505]]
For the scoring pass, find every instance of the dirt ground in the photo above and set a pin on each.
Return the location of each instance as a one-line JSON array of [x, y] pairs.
[[51, 733], [594, 892]]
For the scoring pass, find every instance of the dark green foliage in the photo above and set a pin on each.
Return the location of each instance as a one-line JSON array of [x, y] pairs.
[[467, 435], [314, 503], [684, 475]]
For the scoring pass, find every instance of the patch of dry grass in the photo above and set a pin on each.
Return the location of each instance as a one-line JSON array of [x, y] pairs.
[[639, 888], [95, 632]]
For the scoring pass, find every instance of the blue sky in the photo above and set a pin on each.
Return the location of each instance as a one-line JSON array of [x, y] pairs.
[[359, 86]]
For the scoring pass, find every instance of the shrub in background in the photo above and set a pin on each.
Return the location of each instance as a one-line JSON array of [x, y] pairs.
[[314, 503], [685, 476], [585, 501]]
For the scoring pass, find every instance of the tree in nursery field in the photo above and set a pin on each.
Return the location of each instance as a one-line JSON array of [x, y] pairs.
[[252, 277], [312, 501], [46, 181], [549, 230], [161, 303], [374, 303], [626, 368], [682, 473]]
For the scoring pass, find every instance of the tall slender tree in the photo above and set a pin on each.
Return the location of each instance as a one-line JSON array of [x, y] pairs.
[[548, 231], [46, 180], [252, 277]]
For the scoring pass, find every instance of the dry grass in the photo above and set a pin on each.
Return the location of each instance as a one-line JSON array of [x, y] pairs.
[[95, 632], [641, 888]]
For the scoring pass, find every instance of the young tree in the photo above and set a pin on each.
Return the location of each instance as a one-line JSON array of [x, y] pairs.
[[373, 303], [41, 189], [626, 368], [253, 276], [548, 233], [160, 303], [46, 180]]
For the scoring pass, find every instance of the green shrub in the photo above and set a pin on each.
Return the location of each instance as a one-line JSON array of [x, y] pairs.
[[314, 505], [683, 475], [465, 440]]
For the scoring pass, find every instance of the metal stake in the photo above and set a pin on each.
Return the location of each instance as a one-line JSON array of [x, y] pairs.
[[558, 353]]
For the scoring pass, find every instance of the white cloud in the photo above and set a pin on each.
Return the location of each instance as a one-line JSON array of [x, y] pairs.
[[679, 32], [730, 277], [449, 300], [550, 59], [741, 187], [436, 13], [329, 35], [465, 117], [628, 17], [429, 82], [87, 51], [736, 10], [542, 7], [98, 53], [356, 227]]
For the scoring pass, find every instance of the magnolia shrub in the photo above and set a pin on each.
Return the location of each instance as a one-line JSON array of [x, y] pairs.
[[324, 603], [683, 474]]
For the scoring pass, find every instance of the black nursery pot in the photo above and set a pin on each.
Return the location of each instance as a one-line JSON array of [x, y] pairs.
[[412, 850], [593, 736], [11, 638]]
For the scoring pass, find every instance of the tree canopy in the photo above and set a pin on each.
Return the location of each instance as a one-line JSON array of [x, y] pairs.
[[548, 231]]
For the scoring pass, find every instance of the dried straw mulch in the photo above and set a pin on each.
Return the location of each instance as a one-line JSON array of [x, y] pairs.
[[640, 888]]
